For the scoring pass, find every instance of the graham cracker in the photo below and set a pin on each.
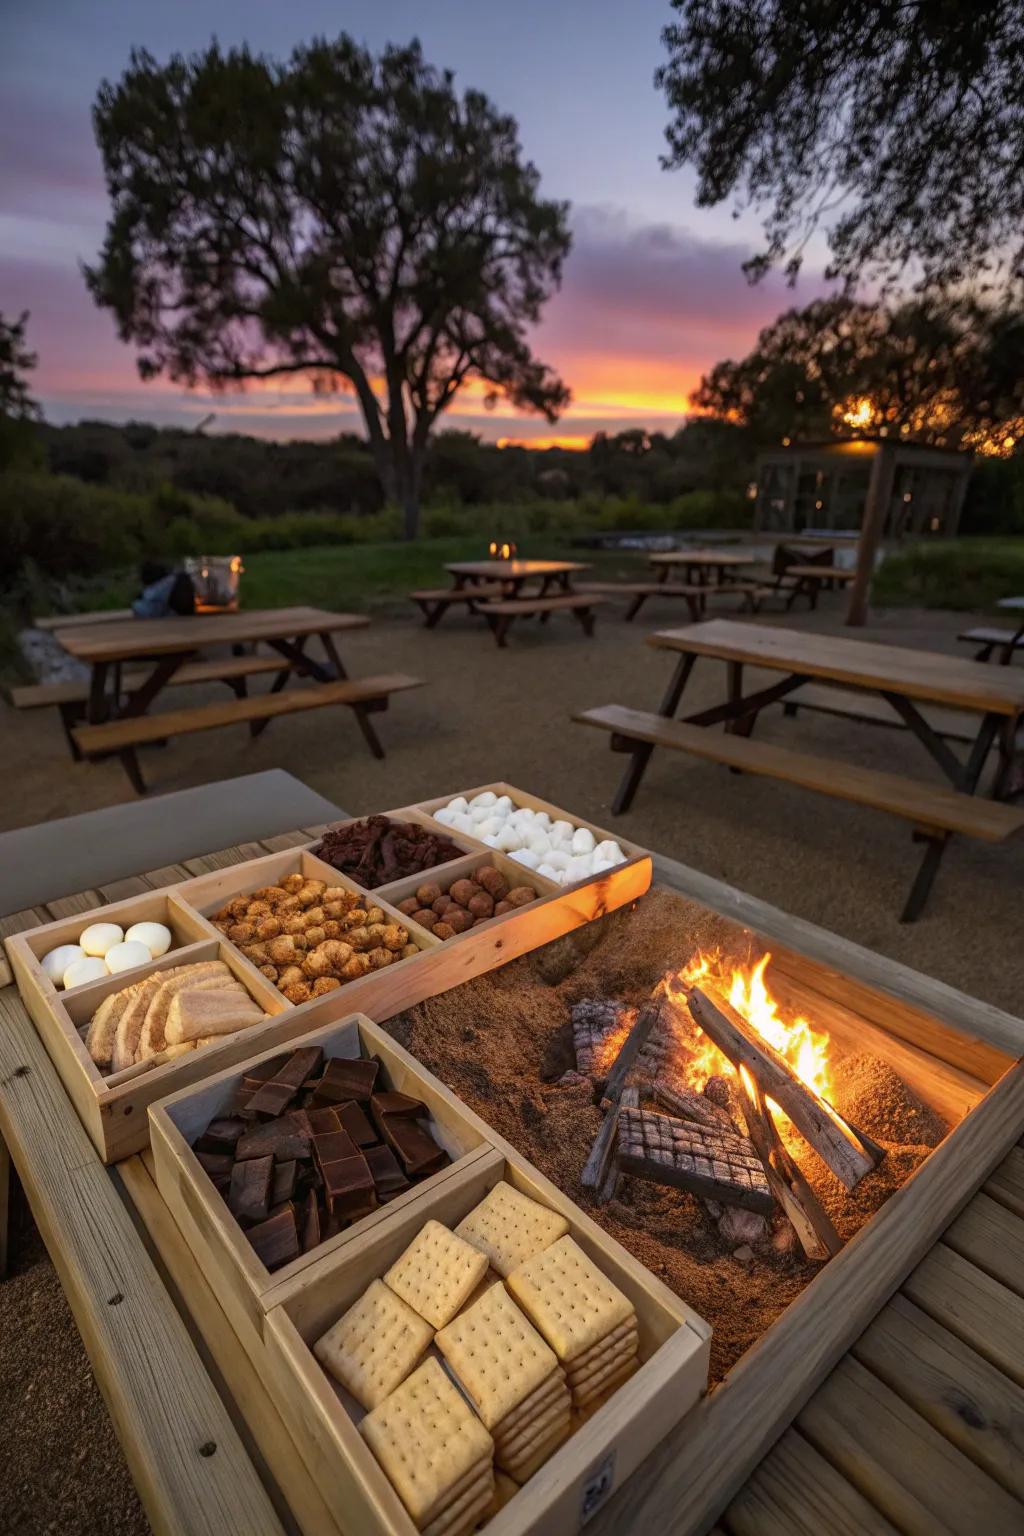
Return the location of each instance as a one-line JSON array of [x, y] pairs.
[[499, 1358], [510, 1227], [426, 1438], [570, 1302], [374, 1346], [436, 1273]]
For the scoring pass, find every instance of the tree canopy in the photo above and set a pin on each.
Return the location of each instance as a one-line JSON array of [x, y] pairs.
[[343, 216], [897, 128], [946, 373], [18, 410]]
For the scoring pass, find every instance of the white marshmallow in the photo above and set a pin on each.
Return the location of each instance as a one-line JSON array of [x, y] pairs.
[[563, 829], [121, 957], [600, 865], [509, 838], [611, 851], [548, 872], [558, 859], [542, 819], [89, 968], [98, 938], [489, 827], [464, 824], [155, 936], [538, 844], [485, 798], [502, 806], [57, 961], [446, 816], [582, 841], [580, 868], [478, 813], [490, 840], [459, 805], [526, 857]]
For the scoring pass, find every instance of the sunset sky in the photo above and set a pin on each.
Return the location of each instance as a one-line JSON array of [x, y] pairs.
[[653, 291]]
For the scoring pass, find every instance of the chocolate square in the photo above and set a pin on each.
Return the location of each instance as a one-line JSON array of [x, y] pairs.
[[276, 1240], [354, 1121], [249, 1193], [346, 1077], [387, 1175]]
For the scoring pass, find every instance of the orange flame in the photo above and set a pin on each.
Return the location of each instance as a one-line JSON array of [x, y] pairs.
[[805, 1048], [498, 551]]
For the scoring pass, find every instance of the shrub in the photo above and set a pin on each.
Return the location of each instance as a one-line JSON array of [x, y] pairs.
[[963, 575]]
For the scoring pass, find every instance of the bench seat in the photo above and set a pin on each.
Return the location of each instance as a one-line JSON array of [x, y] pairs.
[[926, 805], [228, 669], [435, 601], [500, 614], [991, 640], [123, 735]]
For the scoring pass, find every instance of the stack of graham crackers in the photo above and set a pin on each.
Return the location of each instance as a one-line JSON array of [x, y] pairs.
[[496, 1392]]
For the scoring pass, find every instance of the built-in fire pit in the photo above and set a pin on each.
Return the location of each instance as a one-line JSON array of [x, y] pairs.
[[729, 1124]]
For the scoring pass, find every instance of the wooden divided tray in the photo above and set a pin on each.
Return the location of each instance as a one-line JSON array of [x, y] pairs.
[[604, 1447], [218, 1242], [112, 1107]]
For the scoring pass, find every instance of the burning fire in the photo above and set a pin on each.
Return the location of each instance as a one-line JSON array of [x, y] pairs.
[[805, 1048], [501, 551]]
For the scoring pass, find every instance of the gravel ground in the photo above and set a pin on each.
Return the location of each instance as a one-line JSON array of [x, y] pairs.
[[489, 714]]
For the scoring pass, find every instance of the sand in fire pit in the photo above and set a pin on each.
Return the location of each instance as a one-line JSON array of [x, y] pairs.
[[502, 1043]]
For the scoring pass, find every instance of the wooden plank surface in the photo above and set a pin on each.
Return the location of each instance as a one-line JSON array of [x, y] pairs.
[[183, 1452], [972, 1403], [827, 699], [900, 1463], [241, 1377], [18, 922], [136, 729], [72, 906], [158, 637], [991, 1237], [927, 804], [720, 557], [859, 663], [973, 1306], [1007, 1182], [796, 1492], [514, 570]]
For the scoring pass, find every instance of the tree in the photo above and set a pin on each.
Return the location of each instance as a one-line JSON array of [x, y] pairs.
[[341, 216], [898, 128], [18, 410], [925, 371]]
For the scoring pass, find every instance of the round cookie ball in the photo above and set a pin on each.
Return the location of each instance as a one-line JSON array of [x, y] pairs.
[[99, 937], [57, 961], [89, 968], [123, 956], [155, 936]]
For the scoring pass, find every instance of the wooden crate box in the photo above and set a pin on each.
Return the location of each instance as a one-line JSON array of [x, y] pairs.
[[217, 1241], [597, 1458]]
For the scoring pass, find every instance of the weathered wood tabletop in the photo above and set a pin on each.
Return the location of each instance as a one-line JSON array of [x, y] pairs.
[[916, 1428]]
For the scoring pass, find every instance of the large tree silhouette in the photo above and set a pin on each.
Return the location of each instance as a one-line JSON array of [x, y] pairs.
[[898, 128], [343, 216]]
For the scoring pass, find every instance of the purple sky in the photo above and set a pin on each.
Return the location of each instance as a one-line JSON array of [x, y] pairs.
[[653, 291]]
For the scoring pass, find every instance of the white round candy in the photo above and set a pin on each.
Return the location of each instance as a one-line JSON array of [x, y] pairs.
[[485, 798], [123, 956], [526, 857], [99, 937], [58, 960], [89, 968], [459, 805], [155, 936], [582, 841]]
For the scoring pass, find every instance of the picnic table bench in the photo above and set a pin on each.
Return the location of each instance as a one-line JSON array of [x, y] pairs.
[[903, 678], [928, 1450], [501, 613], [809, 580], [1005, 641], [699, 566], [435, 601], [169, 645]]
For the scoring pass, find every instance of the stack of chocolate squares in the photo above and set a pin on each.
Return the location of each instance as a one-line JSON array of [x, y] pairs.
[[588, 1322], [309, 1146]]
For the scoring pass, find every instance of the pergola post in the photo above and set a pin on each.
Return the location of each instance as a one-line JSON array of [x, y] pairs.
[[876, 507]]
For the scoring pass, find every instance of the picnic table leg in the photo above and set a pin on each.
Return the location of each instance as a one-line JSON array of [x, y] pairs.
[[922, 885], [138, 702], [98, 706], [257, 727], [741, 725], [1008, 650], [373, 741], [640, 755]]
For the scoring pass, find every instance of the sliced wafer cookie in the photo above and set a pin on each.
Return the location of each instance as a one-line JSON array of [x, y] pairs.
[[375, 1345], [436, 1273], [571, 1303], [426, 1438], [510, 1227], [497, 1355], [462, 1514], [608, 1381], [617, 1335]]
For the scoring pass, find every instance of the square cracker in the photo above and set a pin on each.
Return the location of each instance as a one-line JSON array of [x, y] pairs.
[[592, 1390], [524, 1470], [620, 1335], [426, 1437], [532, 1433], [596, 1360], [462, 1513], [510, 1227], [372, 1349], [568, 1299], [554, 1388], [498, 1357], [436, 1273]]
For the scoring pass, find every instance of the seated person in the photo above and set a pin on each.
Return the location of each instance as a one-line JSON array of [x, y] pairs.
[[165, 592]]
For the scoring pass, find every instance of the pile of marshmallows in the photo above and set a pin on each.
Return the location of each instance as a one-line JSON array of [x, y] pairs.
[[555, 849], [102, 950]]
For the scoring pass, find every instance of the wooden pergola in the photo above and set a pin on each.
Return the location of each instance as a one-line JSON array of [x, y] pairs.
[[876, 487]]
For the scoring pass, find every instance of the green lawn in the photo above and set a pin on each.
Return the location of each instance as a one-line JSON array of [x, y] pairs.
[[965, 575], [358, 577]]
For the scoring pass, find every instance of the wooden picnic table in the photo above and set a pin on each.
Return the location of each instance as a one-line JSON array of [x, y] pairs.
[[211, 1456], [810, 579], [1012, 605], [902, 676], [513, 574], [169, 643], [701, 565]]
